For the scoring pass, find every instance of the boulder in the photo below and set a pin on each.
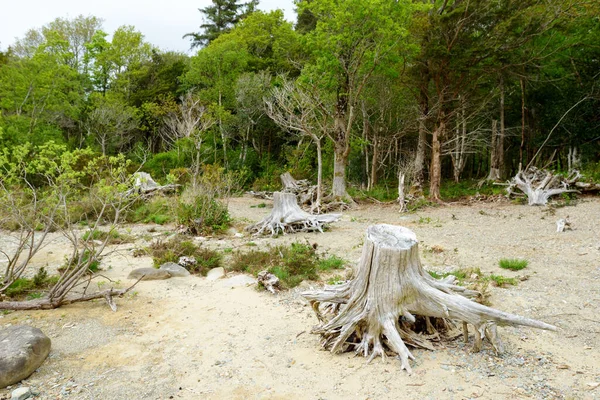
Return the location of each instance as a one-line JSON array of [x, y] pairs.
[[238, 281], [215, 273], [174, 269], [22, 350], [149, 274]]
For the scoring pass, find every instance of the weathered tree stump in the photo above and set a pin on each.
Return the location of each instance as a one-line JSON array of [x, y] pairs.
[[288, 217], [392, 298]]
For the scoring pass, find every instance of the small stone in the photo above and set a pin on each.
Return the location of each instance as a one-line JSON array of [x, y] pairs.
[[238, 280], [215, 273], [593, 385], [149, 274], [175, 269], [21, 393], [187, 262]]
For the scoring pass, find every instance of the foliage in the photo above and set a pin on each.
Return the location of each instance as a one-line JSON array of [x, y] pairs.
[[158, 209], [172, 250], [514, 264]]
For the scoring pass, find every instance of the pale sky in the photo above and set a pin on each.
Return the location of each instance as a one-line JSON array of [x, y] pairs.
[[163, 23]]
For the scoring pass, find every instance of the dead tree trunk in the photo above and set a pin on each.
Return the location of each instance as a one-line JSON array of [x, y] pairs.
[[381, 309], [288, 217]]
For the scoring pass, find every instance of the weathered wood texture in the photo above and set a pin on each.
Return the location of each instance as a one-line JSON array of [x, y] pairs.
[[288, 217], [392, 298]]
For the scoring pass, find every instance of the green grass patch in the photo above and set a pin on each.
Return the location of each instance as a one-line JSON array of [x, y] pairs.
[[111, 237], [502, 281], [25, 288], [514, 264], [291, 264], [170, 251]]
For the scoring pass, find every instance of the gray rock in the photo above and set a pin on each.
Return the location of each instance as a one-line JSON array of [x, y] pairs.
[[22, 350], [174, 269], [21, 393], [149, 274], [215, 273]]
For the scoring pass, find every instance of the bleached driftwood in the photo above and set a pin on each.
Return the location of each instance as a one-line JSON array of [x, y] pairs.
[[288, 217], [539, 185], [269, 281], [306, 193], [393, 298], [563, 224]]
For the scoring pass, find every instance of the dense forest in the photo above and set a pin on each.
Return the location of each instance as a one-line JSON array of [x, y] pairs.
[[358, 92]]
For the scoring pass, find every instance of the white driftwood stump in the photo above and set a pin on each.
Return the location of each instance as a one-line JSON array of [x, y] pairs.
[[392, 298], [288, 217]]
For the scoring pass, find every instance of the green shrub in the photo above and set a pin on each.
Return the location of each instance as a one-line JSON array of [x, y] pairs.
[[514, 264], [159, 210], [171, 251], [203, 215]]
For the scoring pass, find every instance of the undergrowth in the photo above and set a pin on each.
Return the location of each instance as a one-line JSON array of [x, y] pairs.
[[514, 264], [29, 289], [170, 251], [291, 264]]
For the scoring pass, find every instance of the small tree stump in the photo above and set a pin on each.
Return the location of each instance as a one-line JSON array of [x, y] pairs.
[[288, 217], [392, 298]]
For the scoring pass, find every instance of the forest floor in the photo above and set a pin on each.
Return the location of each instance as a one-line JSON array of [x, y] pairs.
[[191, 338]]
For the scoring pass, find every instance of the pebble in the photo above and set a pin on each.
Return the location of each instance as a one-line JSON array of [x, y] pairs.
[[21, 393]]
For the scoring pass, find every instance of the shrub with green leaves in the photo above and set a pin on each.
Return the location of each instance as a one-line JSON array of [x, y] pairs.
[[203, 214], [514, 264], [111, 237]]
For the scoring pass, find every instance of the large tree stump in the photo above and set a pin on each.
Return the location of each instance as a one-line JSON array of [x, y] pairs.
[[393, 301], [288, 217]]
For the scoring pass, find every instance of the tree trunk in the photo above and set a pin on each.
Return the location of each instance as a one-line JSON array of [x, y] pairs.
[[392, 296], [340, 163], [494, 174], [435, 178], [417, 186]]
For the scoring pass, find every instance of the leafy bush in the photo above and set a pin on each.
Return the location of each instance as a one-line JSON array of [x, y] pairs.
[[203, 215], [172, 250], [514, 264]]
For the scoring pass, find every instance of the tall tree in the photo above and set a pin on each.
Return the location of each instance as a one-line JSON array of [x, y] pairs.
[[218, 19], [352, 40]]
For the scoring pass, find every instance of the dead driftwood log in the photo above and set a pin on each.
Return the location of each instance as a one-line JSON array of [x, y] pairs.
[[145, 185], [394, 302], [288, 217], [539, 185]]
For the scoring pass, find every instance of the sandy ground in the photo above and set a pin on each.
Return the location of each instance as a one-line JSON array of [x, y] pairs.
[[191, 338]]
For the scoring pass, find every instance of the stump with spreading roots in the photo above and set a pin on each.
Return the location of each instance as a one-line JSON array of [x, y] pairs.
[[393, 302], [288, 217]]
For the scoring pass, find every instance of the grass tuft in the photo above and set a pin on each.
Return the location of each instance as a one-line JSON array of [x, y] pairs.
[[514, 264]]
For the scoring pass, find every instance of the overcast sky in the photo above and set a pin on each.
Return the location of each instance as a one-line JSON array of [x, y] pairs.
[[163, 23]]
